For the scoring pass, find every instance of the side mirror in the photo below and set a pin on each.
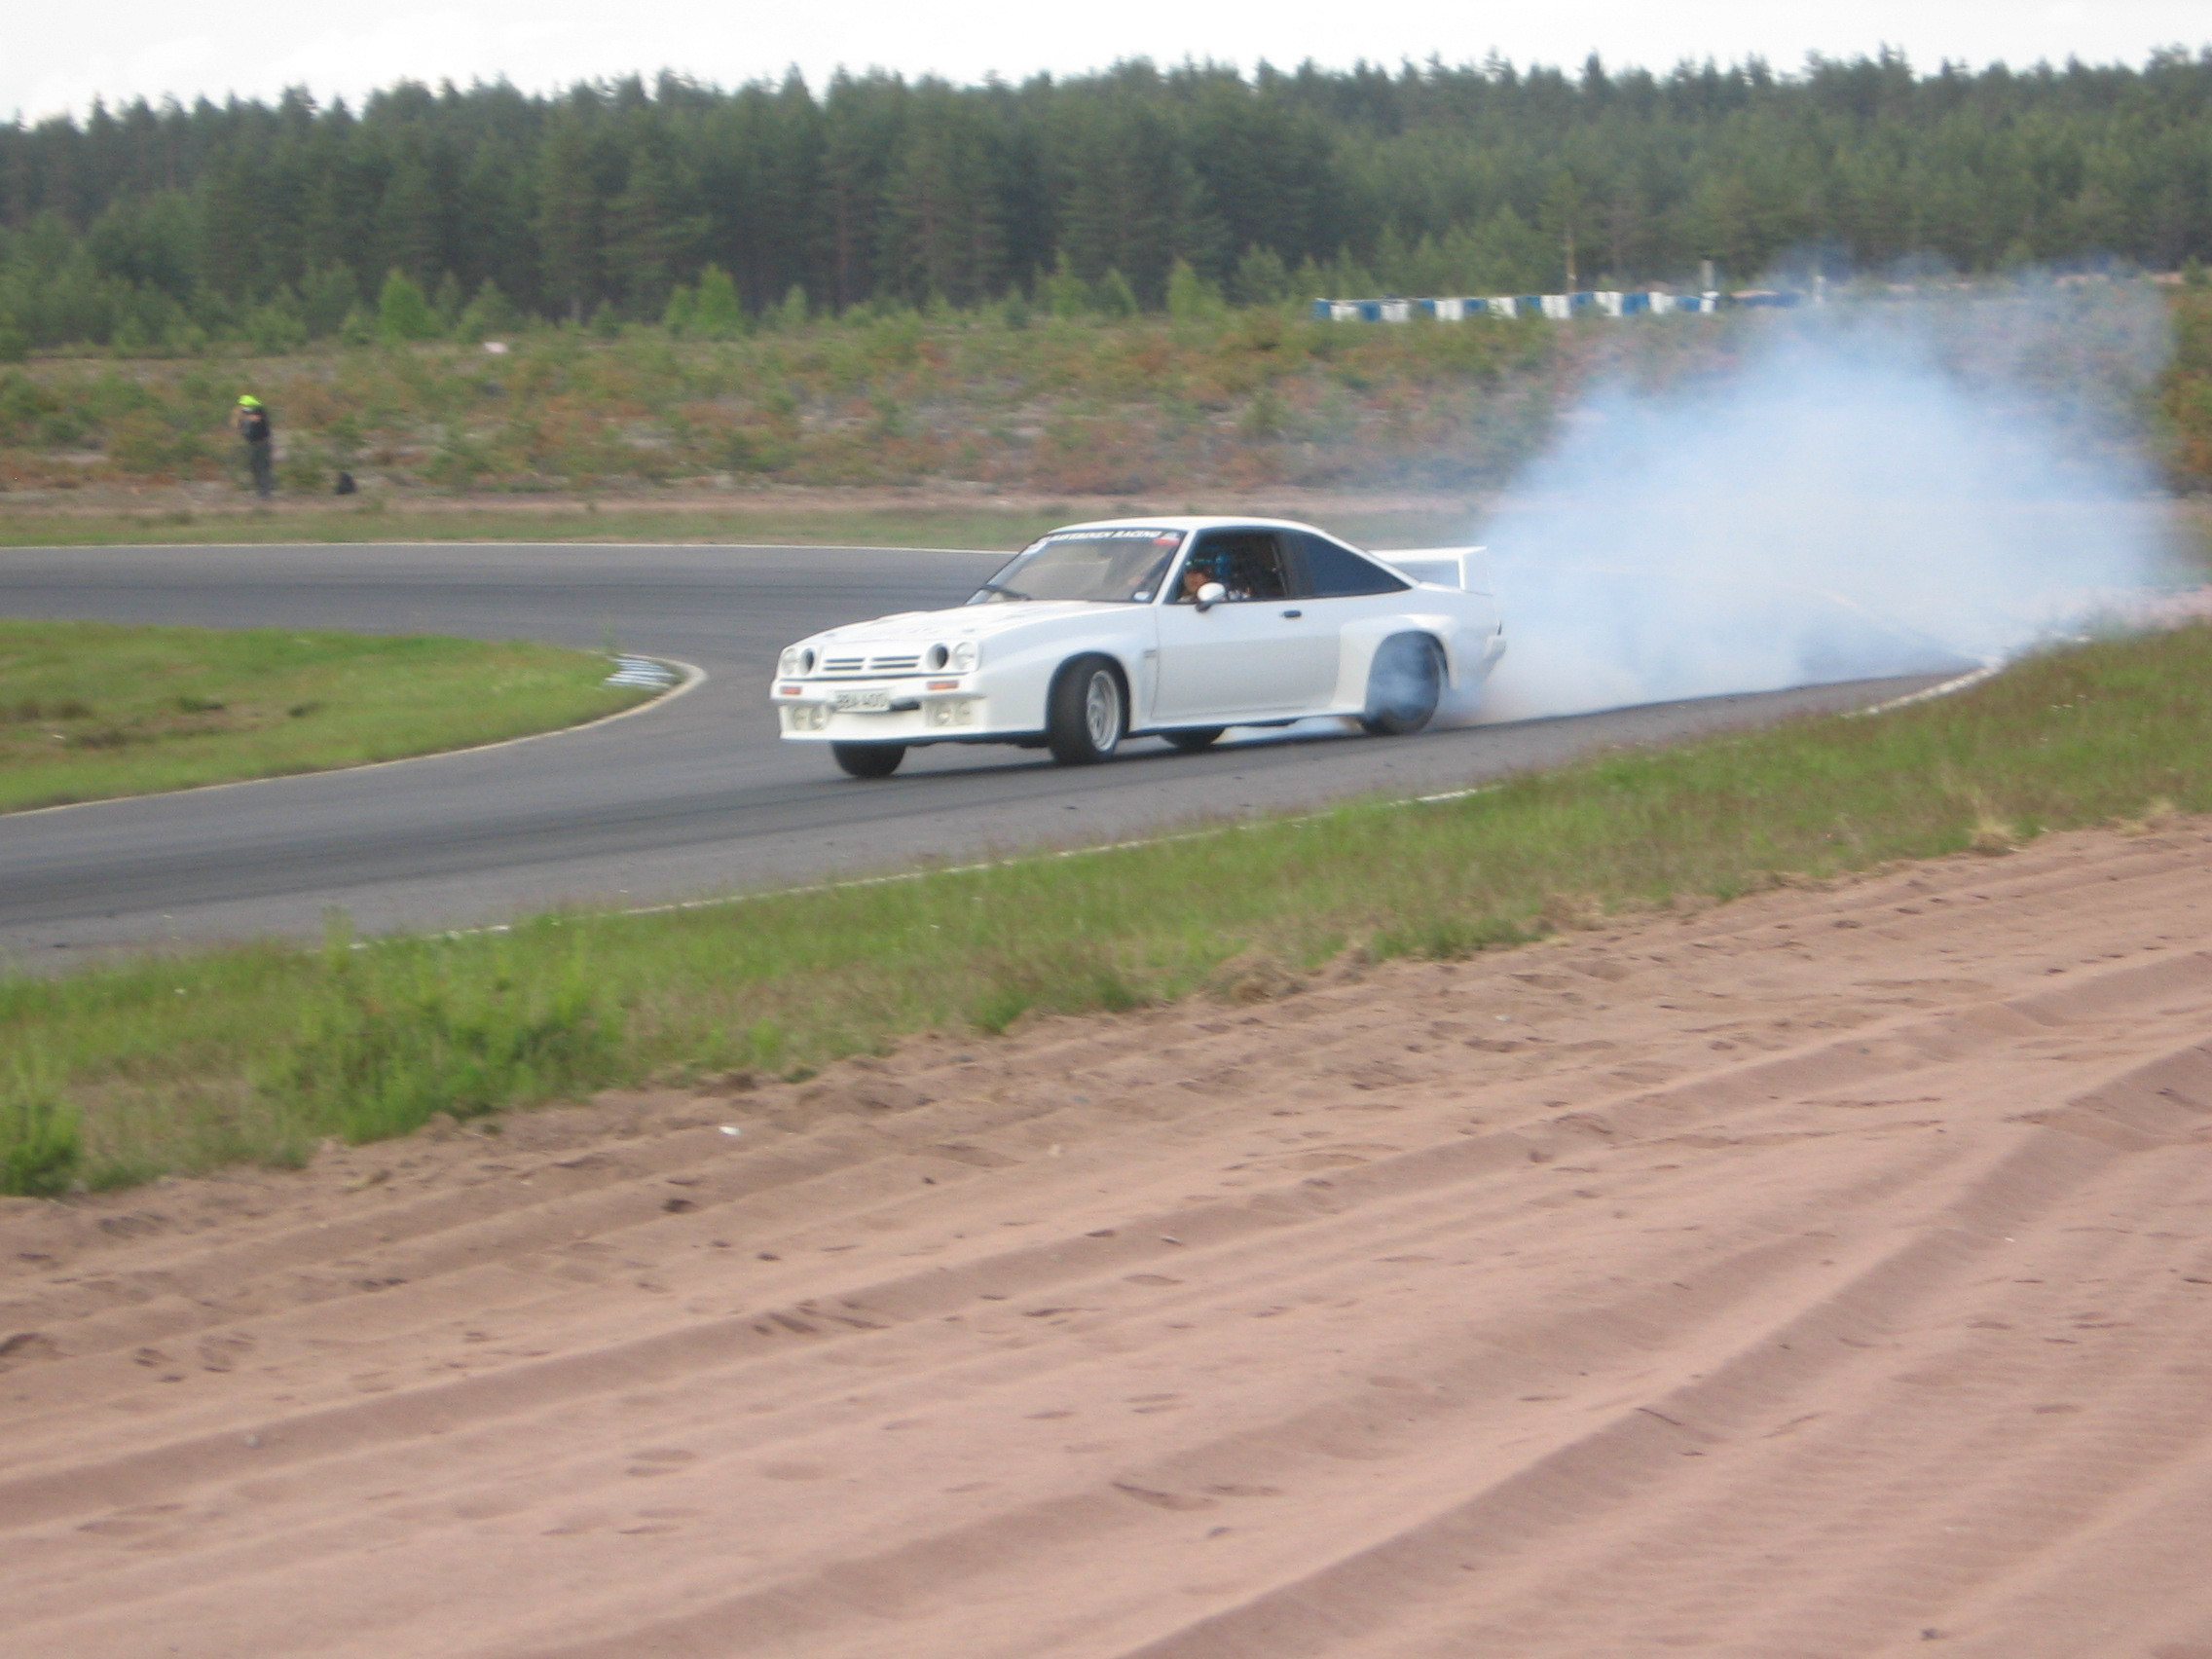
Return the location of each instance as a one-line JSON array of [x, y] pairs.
[[1212, 595]]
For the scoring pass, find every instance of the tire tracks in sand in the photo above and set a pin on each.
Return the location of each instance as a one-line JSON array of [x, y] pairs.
[[1802, 1276]]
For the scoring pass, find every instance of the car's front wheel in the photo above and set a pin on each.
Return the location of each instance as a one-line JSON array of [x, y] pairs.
[[869, 760], [1403, 685], [1087, 711]]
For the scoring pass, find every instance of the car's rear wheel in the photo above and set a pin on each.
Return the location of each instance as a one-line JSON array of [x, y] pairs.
[[1403, 685], [1087, 711], [869, 760], [1192, 739]]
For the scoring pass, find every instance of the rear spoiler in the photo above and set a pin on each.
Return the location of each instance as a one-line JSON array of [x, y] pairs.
[[1467, 568]]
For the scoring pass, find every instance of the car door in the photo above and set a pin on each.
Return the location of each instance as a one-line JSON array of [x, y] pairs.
[[1257, 654]]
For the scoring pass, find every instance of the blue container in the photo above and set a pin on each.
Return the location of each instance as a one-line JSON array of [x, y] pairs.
[[1371, 310], [1320, 311], [1530, 305], [1632, 304]]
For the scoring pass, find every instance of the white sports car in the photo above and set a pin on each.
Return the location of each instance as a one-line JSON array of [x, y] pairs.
[[1169, 627]]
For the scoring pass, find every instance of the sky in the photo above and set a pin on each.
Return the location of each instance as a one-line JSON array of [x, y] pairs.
[[58, 59]]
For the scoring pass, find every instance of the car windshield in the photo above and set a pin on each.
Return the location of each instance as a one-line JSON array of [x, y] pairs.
[[1115, 565]]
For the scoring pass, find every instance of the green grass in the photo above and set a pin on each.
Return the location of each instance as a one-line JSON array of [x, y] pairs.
[[89, 711], [128, 1071]]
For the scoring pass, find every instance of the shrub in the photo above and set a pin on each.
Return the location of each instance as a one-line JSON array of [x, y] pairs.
[[716, 313], [491, 312], [1113, 296], [402, 312], [1190, 296]]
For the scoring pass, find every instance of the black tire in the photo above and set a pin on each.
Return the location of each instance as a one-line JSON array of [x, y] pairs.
[[1087, 711], [1193, 739], [869, 760], [1403, 685]]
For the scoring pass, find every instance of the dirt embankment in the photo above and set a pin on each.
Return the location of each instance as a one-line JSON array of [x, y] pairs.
[[1826, 1274]]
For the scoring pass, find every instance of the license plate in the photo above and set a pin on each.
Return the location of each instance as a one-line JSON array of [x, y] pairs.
[[863, 702]]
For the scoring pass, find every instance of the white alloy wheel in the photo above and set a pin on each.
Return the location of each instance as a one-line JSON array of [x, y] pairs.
[[1102, 711]]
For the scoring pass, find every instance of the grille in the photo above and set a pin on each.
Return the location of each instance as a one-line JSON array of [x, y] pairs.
[[909, 662]]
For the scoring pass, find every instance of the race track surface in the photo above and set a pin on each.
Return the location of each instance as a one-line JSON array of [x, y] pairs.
[[694, 797]]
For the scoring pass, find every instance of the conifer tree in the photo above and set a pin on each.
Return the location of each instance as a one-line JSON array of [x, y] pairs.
[[402, 312], [1189, 295], [716, 313], [487, 315]]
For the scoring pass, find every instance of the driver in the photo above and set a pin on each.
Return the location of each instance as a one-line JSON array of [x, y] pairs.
[[1204, 567]]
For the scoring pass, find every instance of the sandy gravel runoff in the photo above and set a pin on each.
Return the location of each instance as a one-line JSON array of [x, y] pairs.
[[1829, 1274]]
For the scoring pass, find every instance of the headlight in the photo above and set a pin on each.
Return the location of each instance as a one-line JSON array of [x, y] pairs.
[[788, 663], [965, 655]]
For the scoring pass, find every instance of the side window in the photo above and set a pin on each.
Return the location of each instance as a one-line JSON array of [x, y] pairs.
[[1338, 572], [1248, 563]]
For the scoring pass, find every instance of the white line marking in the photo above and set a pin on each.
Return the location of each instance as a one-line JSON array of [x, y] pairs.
[[1988, 672], [694, 677]]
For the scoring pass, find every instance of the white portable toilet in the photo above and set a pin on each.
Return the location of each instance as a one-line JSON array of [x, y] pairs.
[[1397, 310], [1344, 311], [1661, 304], [1450, 310], [1501, 305], [1608, 303], [1559, 306]]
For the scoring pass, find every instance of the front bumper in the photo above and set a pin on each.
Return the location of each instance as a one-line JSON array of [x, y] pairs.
[[881, 711]]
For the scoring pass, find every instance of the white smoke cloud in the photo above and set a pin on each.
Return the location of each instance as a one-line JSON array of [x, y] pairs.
[[1872, 492]]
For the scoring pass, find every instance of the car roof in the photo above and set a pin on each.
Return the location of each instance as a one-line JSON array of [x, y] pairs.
[[1189, 520]]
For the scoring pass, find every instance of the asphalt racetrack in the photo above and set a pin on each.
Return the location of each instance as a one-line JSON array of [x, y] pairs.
[[691, 797]]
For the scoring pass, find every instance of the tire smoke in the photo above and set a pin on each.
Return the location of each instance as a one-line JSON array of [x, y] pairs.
[[1864, 496]]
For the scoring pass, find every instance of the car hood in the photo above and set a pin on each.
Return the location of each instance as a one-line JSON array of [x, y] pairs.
[[961, 621]]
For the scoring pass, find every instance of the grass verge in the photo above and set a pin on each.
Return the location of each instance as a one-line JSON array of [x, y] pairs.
[[257, 1052], [89, 711]]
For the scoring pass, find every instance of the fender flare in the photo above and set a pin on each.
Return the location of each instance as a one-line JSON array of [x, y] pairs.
[[1364, 638]]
